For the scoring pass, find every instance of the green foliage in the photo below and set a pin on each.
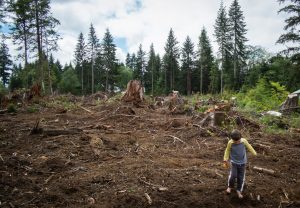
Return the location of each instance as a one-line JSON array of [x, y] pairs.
[[15, 83], [274, 122], [3, 90], [294, 120], [11, 108], [125, 75], [265, 96], [32, 109], [69, 82]]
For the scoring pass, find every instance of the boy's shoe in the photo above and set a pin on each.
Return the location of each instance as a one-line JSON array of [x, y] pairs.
[[228, 190], [239, 194]]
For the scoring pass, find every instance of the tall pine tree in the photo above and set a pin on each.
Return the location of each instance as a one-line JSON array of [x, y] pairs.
[[152, 71], [237, 32], [187, 60], [80, 57], [109, 60], [22, 26], [170, 63], [139, 70], [93, 44], [222, 34], [204, 62], [5, 62], [45, 34], [292, 28]]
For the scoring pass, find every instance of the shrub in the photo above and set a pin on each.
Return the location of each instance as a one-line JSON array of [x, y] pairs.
[[11, 108], [265, 96]]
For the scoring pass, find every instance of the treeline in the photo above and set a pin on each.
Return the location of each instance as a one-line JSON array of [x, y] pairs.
[[188, 68]]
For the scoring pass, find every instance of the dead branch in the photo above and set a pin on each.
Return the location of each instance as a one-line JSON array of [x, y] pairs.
[[264, 170], [149, 184], [87, 110], [36, 129], [127, 115], [148, 198], [48, 179], [176, 138]]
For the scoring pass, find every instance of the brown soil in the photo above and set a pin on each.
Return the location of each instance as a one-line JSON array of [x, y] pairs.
[[118, 154]]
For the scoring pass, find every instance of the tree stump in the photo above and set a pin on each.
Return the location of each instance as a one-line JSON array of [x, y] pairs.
[[134, 92]]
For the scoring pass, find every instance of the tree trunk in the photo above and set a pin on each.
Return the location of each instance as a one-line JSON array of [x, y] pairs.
[[82, 78], [38, 39], [25, 44]]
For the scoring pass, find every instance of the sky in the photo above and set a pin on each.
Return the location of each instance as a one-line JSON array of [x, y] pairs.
[[134, 22]]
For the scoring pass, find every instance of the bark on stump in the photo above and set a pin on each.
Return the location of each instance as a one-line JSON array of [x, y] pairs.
[[134, 92]]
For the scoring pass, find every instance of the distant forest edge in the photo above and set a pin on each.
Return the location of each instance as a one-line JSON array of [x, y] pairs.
[[190, 68]]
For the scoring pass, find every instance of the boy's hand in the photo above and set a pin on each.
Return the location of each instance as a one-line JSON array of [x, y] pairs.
[[225, 164]]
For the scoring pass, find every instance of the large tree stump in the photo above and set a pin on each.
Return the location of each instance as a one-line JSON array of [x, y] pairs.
[[134, 92], [290, 103], [216, 118]]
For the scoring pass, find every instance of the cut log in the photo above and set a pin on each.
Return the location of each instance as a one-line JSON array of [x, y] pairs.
[[134, 92], [56, 132], [3, 111], [264, 170]]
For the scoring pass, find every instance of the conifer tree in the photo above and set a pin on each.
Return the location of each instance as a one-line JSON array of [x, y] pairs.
[[5, 62], [292, 28], [187, 60], [223, 39], [45, 34], [204, 62], [109, 60], [139, 70], [80, 57], [2, 15], [152, 71], [128, 60], [93, 44], [170, 63], [238, 31], [22, 26], [132, 62]]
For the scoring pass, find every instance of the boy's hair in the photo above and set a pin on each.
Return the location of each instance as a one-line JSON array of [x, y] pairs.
[[235, 135]]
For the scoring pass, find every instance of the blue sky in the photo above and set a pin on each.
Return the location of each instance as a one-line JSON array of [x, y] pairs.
[[134, 22]]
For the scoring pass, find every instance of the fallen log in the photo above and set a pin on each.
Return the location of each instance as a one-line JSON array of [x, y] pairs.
[[3, 111], [264, 170], [56, 132]]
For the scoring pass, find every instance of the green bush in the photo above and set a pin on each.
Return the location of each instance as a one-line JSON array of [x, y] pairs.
[[32, 109], [265, 96], [11, 108]]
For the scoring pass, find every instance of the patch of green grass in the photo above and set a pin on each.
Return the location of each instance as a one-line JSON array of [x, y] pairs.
[[32, 109]]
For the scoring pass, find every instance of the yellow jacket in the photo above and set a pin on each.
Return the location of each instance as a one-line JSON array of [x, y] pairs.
[[229, 144]]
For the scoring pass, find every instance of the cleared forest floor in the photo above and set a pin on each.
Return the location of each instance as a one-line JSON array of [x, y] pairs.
[[119, 155]]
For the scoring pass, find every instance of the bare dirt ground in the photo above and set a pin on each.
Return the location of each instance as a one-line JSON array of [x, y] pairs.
[[123, 156]]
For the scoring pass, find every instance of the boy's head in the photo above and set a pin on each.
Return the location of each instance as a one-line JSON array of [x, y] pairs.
[[235, 135]]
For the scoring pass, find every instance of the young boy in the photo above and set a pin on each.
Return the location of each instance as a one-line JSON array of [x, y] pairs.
[[236, 151]]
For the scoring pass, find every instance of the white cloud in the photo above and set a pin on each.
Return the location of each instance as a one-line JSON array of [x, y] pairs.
[[151, 22]]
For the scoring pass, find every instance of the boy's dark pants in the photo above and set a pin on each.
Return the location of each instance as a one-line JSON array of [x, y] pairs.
[[237, 172]]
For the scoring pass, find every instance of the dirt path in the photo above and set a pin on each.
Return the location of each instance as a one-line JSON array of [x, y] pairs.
[[121, 156]]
